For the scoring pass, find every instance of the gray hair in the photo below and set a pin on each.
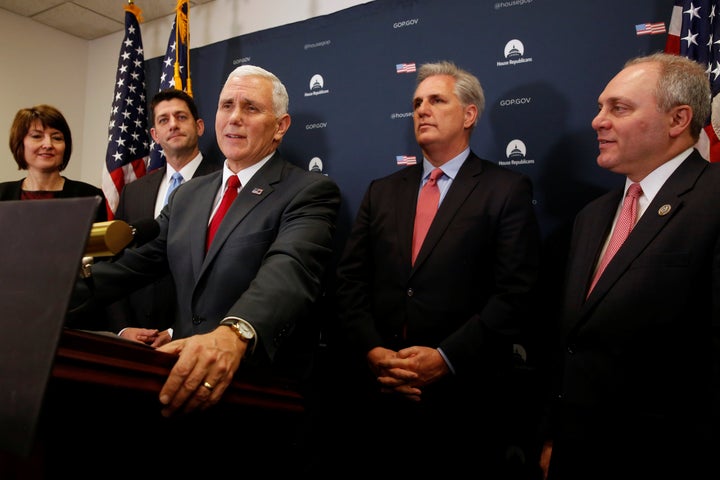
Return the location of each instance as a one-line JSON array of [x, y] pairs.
[[681, 81], [280, 95], [467, 86]]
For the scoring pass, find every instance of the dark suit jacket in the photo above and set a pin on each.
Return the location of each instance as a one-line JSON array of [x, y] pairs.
[[153, 306], [638, 391], [468, 293], [265, 264], [71, 188]]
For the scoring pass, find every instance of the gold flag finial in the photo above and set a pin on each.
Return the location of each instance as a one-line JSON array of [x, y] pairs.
[[134, 9]]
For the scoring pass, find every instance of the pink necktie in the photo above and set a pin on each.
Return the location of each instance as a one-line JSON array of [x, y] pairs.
[[626, 222], [231, 192], [427, 205]]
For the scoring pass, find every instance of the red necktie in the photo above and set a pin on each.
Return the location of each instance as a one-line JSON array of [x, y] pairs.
[[231, 192], [427, 205], [626, 222]]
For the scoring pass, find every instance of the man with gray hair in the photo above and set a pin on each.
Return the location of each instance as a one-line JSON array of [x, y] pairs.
[[432, 295], [636, 390], [247, 281]]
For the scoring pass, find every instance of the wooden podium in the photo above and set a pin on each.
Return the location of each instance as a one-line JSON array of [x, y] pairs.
[[108, 363], [101, 411]]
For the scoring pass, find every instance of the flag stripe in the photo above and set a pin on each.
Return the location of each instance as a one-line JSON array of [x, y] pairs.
[[128, 140], [405, 160], [175, 71], [650, 28], [690, 33]]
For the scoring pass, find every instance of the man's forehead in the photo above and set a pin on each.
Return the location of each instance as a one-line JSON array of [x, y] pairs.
[[435, 85]]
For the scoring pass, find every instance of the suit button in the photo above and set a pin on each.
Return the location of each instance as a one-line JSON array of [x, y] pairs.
[[410, 292], [571, 348], [196, 320]]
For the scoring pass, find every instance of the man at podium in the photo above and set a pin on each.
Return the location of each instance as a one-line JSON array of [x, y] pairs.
[[248, 297]]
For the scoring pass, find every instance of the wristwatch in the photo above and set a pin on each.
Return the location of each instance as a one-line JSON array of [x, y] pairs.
[[243, 330]]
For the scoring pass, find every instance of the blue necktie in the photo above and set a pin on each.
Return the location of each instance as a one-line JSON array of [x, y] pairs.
[[175, 181]]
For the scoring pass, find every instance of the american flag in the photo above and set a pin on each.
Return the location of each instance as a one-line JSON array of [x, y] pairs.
[[650, 28], [405, 160], [405, 67], [128, 140], [175, 69], [692, 33]]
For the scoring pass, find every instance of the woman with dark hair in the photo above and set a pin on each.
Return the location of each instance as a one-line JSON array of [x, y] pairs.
[[41, 143]]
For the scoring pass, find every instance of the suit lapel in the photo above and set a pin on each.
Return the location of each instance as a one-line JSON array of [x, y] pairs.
[[585, 254], [202, 207], [462, 186], [666, 204], [150, 194], [254, 192]]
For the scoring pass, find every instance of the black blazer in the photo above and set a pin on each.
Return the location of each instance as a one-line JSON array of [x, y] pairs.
[[637, 387], [71, 188], [469, 291], [153, 306]]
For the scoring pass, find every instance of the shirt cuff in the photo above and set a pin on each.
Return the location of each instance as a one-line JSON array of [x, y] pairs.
[[442, 354]]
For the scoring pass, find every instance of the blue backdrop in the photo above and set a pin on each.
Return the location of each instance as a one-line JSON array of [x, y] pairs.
[[542, 65], [350, 78]]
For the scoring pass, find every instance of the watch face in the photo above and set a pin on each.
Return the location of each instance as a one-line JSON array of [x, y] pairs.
[[244, 330]]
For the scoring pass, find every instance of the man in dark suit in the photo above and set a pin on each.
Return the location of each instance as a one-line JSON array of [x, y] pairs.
[[636, 391], [145, 315], [248, 298], [433, 340]]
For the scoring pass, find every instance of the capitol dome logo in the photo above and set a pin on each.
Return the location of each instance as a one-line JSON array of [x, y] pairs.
[[316, 82], [514, 53], [317, 86], [315, 165], [514, 49], [516, 153], [515, 150]]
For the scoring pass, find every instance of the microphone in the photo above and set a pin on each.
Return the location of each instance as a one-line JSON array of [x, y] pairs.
[[110, 238]]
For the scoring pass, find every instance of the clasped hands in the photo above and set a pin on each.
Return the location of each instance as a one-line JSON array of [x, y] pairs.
[[406, 371]]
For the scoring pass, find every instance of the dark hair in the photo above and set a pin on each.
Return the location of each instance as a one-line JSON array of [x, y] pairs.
[[49, 117], [169, 94]]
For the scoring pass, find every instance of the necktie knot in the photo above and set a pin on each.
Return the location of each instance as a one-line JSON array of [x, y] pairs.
[[233, 182], [635, 190], [175, 181], [435, 174]]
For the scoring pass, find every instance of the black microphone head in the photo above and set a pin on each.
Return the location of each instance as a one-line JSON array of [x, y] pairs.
[[144, 231]]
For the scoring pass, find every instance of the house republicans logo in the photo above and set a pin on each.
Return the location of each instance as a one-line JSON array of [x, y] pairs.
[[516, 153], [514, 53], [316, 165], [317, 84]]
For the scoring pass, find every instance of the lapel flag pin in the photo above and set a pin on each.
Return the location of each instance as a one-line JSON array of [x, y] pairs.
[[257, 191]]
